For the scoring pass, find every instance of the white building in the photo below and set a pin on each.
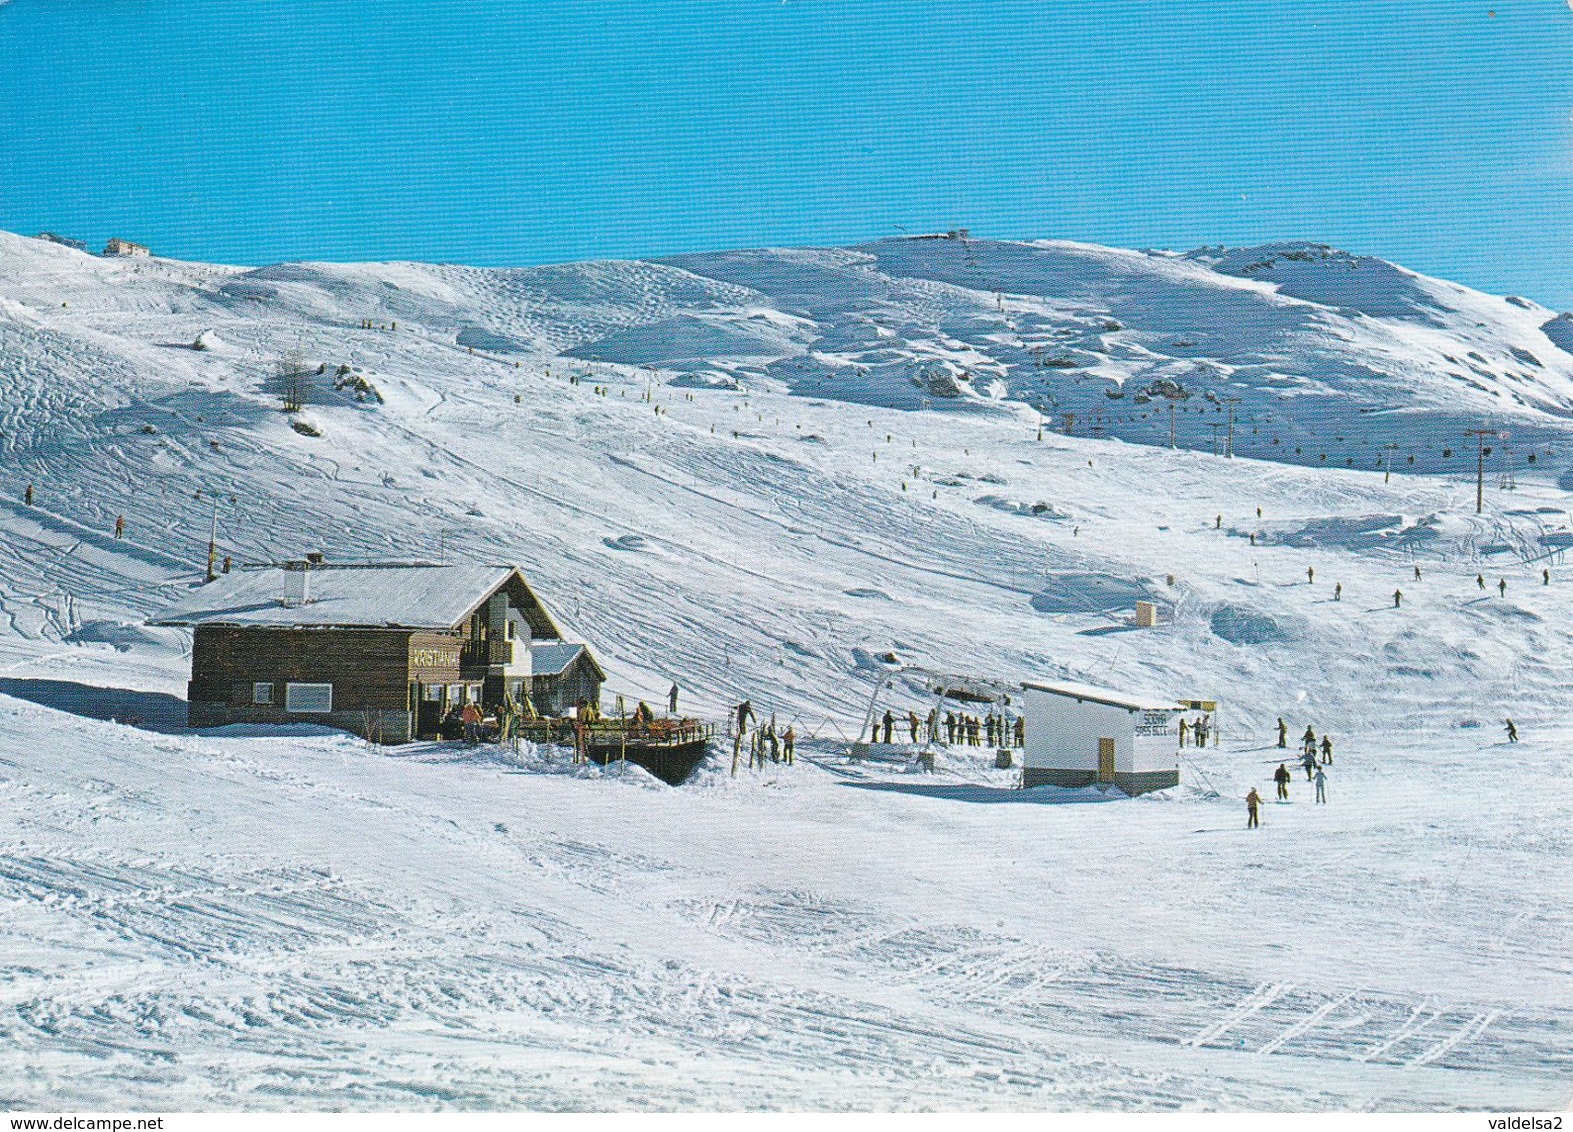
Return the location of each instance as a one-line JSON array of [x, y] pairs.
[[1080, 735], [119, 247]]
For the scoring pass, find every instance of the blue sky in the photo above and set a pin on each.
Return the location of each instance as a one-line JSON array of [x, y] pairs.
[[1433, 132]]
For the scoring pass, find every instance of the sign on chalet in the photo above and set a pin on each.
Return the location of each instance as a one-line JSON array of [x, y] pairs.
[[385, 651]]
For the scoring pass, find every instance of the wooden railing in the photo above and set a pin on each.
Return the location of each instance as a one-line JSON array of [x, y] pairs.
[[483, 654], [612, 733]]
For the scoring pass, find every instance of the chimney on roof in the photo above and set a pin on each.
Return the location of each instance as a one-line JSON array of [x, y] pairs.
[[297, 583]]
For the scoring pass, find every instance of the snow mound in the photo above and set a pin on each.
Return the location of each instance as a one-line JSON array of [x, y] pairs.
[[480, 338], [1078, 592], [1037, 510], [693, 337], [124, 637], [1321, 274], [1560, 331], [1241, 626]]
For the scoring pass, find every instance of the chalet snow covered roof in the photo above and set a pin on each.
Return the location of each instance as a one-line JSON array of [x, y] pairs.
[[553, 659], [1094, 694], [376, 596]]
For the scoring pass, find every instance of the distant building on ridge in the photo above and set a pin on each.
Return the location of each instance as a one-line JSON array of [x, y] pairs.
[[122, 248]]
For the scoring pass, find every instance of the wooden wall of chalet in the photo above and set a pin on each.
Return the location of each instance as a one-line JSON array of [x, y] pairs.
[[368, 668], [554, 695]]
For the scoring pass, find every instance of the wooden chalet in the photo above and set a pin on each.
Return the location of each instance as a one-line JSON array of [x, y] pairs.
[[384, 651]]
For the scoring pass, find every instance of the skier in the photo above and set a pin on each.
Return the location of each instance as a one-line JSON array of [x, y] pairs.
[[1545, 577], [745, 712], [1512, 731], [1480, 581], [913, 723], [933, 725], [1502, 586], [1309, 762], [1199, 729], [1338, 591], [120, 527], [1021, 732], [950, 729], [1218, 523], [890, 726], [671, 700], [1321, 785], [228, 562], [1283, 732], [1185, 730], [27, 496], [1253, 802], [1417, 573], [1281, 776], [1258, 512], [789, 744], [1310, 575], [1398, 599], [1327, 751], [1308, 740]]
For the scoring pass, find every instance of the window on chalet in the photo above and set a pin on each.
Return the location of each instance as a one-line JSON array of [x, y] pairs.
[[308, 698], [262, 693]]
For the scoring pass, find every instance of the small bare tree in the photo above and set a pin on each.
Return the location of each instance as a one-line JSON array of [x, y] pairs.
[[294, 381]]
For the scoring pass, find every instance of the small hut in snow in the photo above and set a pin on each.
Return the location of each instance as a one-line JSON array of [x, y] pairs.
[[1081, 735]]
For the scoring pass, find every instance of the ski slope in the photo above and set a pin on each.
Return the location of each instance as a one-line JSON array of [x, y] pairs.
[[718, 470]]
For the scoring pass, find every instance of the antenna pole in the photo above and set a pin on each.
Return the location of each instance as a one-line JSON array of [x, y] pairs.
[[1480, 435]]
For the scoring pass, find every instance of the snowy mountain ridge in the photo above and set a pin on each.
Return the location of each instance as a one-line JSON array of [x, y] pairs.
[[1311, 342]]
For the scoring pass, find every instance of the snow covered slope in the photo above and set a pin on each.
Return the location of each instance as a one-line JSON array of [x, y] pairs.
[[742, 499]]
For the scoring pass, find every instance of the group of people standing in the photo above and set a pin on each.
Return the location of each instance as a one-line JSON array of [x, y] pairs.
[[953, 729], [1197, 731]]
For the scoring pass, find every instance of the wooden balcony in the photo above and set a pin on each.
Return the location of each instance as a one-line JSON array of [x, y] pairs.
[[485, 654]]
